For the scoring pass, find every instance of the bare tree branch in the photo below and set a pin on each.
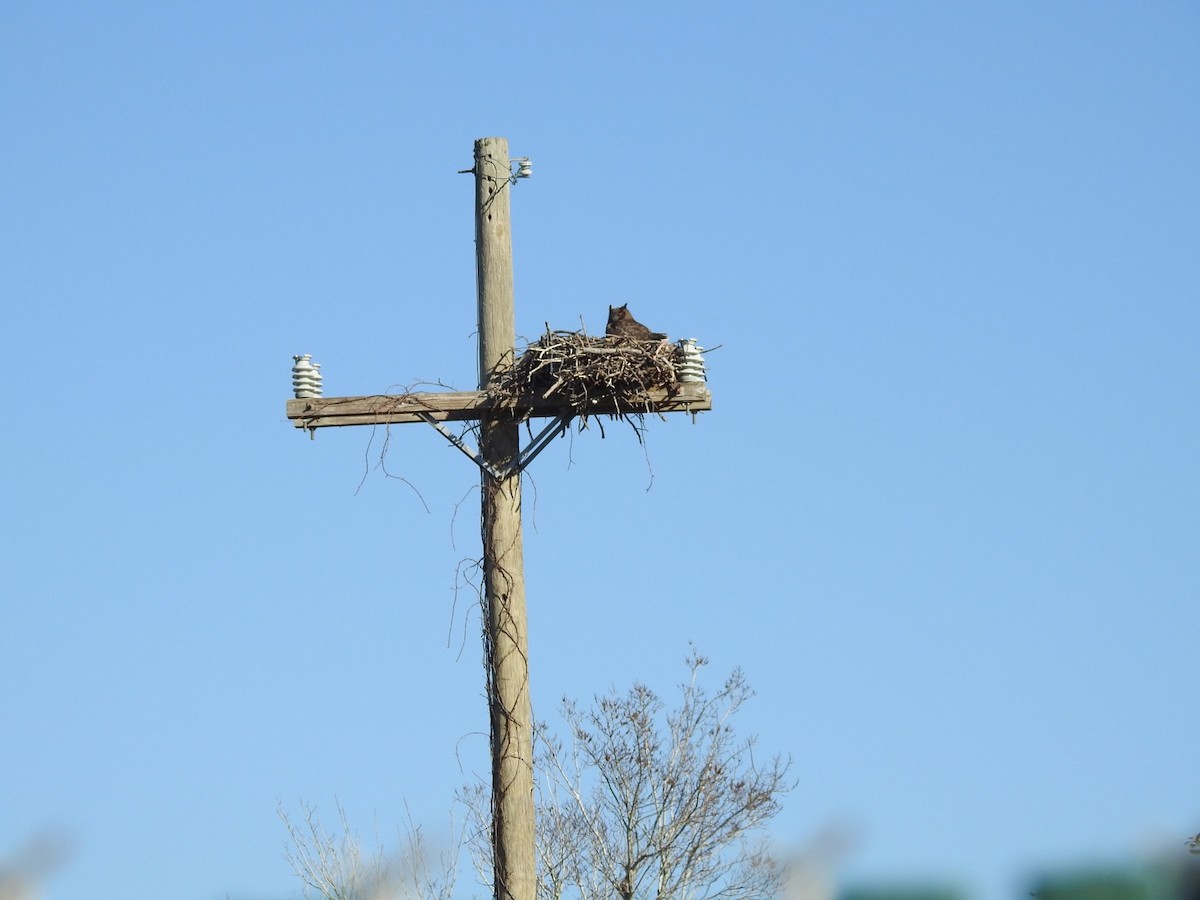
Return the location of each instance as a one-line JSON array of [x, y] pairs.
[[642, 803], [333, 865]]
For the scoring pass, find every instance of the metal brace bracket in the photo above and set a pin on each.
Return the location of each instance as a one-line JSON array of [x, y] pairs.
[[471, 453], [556, 427]]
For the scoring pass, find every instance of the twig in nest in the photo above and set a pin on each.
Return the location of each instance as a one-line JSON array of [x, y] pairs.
[[584, 371]]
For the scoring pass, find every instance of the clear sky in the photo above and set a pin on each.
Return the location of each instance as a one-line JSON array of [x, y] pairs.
[[945, 512]]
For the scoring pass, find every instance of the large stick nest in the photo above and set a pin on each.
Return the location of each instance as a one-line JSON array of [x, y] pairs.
[[583, 372]]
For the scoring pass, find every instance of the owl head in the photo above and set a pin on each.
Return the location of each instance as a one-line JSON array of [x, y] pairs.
[[618, 313]]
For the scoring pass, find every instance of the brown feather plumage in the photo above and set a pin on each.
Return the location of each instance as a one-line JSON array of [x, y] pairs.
[[621, 323]]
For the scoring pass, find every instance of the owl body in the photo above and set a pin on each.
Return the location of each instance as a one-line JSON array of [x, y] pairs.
[[621, 323]]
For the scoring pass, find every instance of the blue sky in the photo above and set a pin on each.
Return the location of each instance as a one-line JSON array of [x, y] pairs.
[[945, 512]]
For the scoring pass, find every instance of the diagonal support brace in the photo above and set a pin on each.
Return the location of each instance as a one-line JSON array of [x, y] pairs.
[[552, 430], [471, 453]]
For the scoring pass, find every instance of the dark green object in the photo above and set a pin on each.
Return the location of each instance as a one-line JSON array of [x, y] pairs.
[[1124, 885]]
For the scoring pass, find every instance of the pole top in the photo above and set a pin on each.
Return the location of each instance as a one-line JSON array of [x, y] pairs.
[[491, 151]]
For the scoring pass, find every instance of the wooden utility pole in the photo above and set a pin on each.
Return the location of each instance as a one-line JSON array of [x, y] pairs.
[[501, 462], [506, 639]]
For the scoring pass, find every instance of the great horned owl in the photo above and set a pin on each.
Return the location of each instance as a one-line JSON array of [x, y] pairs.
[[621, 323]]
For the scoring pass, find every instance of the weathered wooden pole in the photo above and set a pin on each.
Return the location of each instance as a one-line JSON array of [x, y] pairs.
[[506, 640]]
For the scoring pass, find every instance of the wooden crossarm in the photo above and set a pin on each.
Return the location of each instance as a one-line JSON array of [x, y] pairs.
[[458, 406]]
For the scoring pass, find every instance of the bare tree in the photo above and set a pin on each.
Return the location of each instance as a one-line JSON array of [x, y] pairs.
[[334, 865], [640, 803]]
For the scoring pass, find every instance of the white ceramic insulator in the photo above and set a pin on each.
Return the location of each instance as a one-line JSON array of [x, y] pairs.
[[690, 367], [306, 377]]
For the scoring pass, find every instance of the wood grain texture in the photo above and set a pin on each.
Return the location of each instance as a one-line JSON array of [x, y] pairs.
[[460, 406]]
